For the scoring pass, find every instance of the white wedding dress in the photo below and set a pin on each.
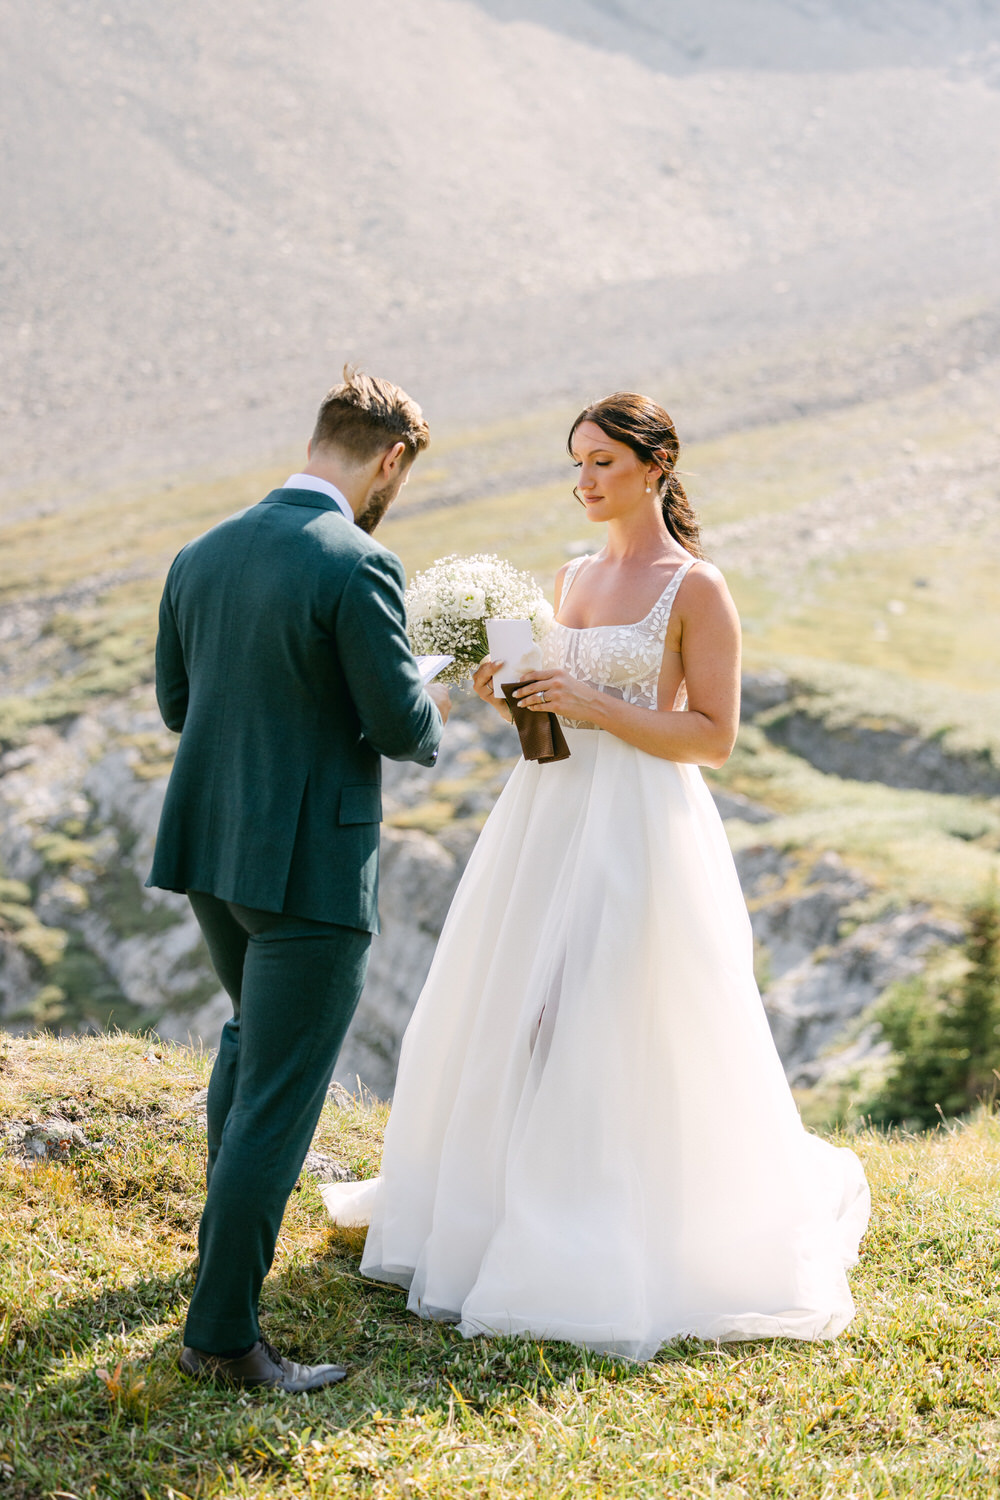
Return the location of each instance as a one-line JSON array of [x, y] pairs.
[[592, 1138]]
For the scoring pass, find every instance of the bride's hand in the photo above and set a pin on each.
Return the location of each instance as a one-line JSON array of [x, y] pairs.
[[482, 681], [558, 693]]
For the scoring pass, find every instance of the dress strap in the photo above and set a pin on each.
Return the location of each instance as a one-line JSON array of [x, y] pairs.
[[659, 615], [571, 572]]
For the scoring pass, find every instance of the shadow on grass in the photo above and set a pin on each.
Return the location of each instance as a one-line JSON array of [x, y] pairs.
[[90, 1392]]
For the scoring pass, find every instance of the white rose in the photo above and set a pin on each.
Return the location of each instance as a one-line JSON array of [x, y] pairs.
[[472, 605]]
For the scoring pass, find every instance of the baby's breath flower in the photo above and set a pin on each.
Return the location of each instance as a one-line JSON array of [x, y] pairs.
[[448, 604]]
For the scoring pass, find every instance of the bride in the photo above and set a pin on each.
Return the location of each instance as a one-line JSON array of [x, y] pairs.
[[592, 1138]]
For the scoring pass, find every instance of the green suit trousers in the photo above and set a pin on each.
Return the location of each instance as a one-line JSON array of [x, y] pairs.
[[295, 985]]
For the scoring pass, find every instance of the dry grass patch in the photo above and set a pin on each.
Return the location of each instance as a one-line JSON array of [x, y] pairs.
[[94, 1282]]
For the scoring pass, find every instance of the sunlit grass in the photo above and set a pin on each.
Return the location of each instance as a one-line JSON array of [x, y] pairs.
[[773, 467], [931, 614], [121, 531], [909, 620], [97, 1266], [917, 846], [461, 498], [533, 528]]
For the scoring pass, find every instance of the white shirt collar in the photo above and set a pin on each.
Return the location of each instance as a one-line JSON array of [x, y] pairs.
[[323, 486]]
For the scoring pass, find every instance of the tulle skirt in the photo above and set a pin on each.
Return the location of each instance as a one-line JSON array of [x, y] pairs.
[[592, 1138]]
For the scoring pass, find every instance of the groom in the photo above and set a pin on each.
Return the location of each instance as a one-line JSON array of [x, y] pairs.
[[283, 661]]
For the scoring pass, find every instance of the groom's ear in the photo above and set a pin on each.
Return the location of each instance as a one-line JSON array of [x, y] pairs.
[[392, 459]]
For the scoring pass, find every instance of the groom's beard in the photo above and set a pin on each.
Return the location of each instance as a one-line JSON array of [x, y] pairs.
[[376, 506]]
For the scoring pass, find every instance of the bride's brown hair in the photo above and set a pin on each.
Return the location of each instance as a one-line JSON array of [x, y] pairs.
[[647, 429]]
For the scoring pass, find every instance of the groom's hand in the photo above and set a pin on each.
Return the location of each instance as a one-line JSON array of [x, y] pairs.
[[440, 695]]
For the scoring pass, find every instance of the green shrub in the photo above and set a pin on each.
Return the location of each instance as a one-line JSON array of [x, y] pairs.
[[945, 1036]]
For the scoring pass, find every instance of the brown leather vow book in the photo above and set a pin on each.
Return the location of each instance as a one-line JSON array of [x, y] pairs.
[[541, 735]]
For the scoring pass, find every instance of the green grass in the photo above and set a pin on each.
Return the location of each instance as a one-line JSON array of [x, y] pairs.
[[928, 615], [841, 695], [532, 527], [913, 845], [97, 1266], [469, 494]]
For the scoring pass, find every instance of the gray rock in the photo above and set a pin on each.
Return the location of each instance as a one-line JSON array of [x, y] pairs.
[[763, 690], [418, 880], [762, 868], [734, 805], [822, 973], [17, 982], [31, 1140], [894, 756], [791, 927], [824, 969], [326, 1168], [811, 1005]]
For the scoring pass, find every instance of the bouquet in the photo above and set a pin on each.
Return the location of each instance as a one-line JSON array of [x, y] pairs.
[[448, 604]]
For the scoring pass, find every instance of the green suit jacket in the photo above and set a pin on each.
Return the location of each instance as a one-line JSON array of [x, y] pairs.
[[283, 661]]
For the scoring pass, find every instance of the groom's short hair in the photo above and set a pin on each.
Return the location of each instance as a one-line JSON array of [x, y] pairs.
[[363, 415]]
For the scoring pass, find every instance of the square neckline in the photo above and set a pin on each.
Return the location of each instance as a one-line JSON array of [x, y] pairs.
[[627, 624]]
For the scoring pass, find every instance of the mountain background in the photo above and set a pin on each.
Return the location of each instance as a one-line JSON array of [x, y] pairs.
[[778, 216], [206, 210]]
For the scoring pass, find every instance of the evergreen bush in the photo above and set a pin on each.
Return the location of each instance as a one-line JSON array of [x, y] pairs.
[[945, 1036]]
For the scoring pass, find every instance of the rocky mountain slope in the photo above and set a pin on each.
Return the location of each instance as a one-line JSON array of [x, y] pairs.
[[83, 944], [500, 202]]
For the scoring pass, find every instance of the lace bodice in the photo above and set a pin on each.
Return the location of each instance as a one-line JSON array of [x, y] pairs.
[[624, 660]]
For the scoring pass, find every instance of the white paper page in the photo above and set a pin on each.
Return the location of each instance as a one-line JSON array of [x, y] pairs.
[[430, 666], [509, 641]]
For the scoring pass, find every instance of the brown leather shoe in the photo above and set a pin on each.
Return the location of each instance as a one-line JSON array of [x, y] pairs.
[[260, 1366]]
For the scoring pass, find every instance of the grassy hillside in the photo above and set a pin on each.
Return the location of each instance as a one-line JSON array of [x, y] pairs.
[[98, 1247], [866, 534], [862, 543], [866, 537]]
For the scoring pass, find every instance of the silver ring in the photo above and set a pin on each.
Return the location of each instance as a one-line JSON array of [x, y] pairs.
[[542, 695]]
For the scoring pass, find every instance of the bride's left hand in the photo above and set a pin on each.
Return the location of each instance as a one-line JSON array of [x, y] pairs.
[[558, 693]]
